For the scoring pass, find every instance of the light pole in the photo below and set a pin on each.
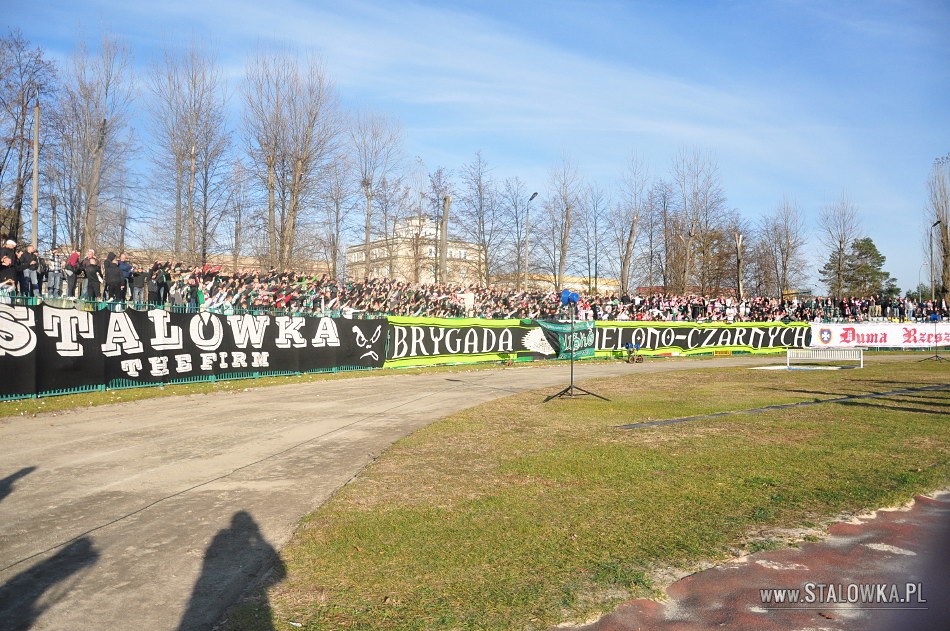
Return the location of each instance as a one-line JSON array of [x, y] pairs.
[[933, 295], [527, 217]]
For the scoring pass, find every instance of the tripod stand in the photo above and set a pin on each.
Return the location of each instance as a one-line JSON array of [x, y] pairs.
[[936, 356], [572, 390]]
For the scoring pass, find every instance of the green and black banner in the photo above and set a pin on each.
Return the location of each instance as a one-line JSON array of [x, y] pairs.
[[574, 340]]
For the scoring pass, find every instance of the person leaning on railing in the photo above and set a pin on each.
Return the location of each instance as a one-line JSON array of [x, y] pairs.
[[7, 278]]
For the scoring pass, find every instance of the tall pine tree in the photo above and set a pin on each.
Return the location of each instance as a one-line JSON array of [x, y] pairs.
[[864, 271]]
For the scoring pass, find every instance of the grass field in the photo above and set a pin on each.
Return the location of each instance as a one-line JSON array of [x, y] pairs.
[[523, 515]]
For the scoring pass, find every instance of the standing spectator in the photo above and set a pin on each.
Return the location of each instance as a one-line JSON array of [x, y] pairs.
[[9, 249], [93, 274], [28, 266], [115, 289], [126, 268], [138, 285], [71, 270], [161, 282], [54, 271], [90, 254]]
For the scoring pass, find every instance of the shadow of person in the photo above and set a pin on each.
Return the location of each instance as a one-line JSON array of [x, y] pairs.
[[20, 604], [238, 558], [6, 484]]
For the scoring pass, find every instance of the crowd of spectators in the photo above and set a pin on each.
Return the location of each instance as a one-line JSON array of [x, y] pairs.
[[62, 273]]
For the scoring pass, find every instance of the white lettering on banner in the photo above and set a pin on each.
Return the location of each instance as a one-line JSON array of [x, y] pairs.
[[885, 334], [438, 334], [238, 360], [288, 332], [327, 335], [400, 348], [121, 336], [606, 339], [68, 325], [198, 325], [423, 341], [259, 360], [159, 366], [471, 341], [131, 367], [668, 337], [418, 348], [207, 360], [506, 341], [17, 337], [183, 363], [167, 337], [453, 343], [248, 328]]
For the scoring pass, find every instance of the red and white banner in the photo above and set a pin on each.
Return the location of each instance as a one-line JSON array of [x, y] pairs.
[[886, 335]]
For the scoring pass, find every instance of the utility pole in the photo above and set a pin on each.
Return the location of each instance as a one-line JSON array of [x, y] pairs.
[[933, 294], [738, 236], [36, 174], [444, 238], [527, 219]]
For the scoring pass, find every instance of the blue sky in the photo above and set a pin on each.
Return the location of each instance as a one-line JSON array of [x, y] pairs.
[[805, 99]]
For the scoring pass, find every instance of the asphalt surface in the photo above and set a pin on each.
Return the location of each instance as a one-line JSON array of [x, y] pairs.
[[158, 514]]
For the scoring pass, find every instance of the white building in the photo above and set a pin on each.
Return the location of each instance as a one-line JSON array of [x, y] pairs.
[[412, 255]]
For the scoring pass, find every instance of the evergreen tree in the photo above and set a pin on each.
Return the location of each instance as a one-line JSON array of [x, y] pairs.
[[864, 271]]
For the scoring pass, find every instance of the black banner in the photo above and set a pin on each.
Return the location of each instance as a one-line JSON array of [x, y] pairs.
[[45, 349], [696, 337]]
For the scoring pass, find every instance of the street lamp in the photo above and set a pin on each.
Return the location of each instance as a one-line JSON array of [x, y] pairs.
[[933, 295], [527, 216]]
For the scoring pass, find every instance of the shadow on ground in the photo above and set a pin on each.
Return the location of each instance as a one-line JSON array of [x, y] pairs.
[[238, 558], [25, 597]]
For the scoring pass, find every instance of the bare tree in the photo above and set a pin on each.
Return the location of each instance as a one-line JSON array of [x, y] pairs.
[[26, 76], [593, 219], [513, 202], [237, 211], [192, 148], [480, 216], [559, 208], [659, 230], [337, 201], [782, 235], [741, 233], [292, 125], [938, 201], [376, 143], [441, 190], [93, 141], [838, 227], [698, 221], [625, 219], [393, 208]]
